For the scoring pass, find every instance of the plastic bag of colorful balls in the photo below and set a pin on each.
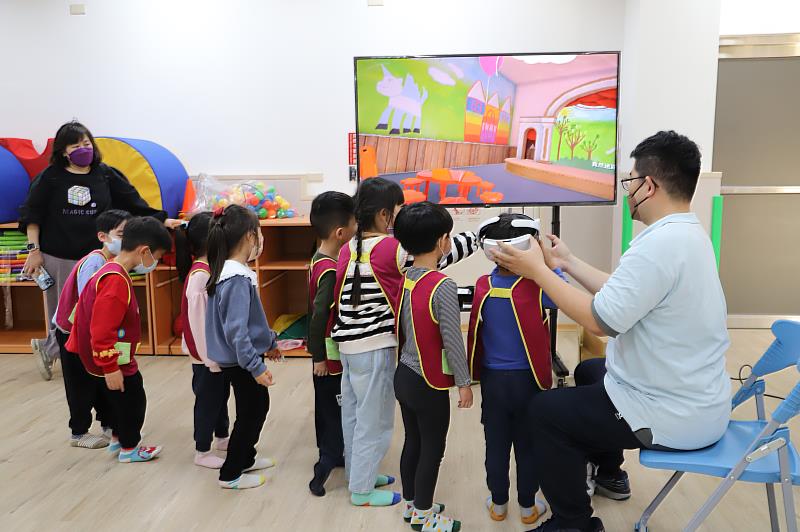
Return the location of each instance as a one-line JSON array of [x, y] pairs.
[[257, 196]]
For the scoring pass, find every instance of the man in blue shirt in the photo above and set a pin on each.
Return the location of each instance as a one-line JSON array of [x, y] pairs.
[[664, 309]]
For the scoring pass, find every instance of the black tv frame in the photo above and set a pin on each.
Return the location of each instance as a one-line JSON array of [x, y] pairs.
[[501, 204]]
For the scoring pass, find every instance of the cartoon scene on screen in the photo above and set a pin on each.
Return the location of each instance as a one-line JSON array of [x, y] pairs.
[[490, 129]]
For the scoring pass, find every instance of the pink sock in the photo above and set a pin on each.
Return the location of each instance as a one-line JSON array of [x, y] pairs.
[[208, 460], [221, 444]]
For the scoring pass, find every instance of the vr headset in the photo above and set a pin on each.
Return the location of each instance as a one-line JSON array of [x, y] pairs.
[[522, 242]]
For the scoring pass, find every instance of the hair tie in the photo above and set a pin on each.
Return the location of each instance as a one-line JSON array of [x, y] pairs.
[[217, 213]]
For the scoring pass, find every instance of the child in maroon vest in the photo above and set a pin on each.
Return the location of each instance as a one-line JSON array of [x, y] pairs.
[[107, 330], [509, 352], [432, 360], [332, 219], [82, 390], [211, 391], [369, 278]]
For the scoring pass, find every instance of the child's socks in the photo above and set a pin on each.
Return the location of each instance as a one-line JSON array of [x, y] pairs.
[[113, 445], [88, 441], [221, 444], [430, 521], [260, 463], [375, 498], [496, 511], [243, 482], [532, 514], [208, 459], [317, 484], [408, 509], [384, 480], [138, 454]]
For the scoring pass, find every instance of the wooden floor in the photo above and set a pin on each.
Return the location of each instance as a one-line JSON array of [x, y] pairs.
[[47, 485]]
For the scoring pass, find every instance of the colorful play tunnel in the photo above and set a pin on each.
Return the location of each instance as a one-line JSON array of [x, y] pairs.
[[15, 182], [156, 173]]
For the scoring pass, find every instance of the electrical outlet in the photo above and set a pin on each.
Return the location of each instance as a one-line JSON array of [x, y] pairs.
[[77, 9], [374, 2]]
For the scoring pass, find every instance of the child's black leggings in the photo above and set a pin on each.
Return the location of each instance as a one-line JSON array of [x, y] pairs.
[[426, 417]]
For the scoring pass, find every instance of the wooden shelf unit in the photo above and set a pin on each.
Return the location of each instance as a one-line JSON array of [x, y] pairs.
[[282, 270]]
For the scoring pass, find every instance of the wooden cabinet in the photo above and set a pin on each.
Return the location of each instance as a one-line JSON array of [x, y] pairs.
[[282, 270]]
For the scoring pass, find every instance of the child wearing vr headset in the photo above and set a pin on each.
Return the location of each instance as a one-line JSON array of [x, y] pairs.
[[509, 353]]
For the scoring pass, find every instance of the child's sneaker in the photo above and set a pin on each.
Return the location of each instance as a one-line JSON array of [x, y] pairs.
[[243, 482], [429, 521], [260, 463], [88, 441], [138, 454], [497, 512], [408, 509], [530, 516]]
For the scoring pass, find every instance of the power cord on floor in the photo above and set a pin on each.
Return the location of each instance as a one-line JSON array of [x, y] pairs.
[[742, 379]]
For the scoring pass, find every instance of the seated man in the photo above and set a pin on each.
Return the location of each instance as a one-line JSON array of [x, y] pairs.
[[663, 307]]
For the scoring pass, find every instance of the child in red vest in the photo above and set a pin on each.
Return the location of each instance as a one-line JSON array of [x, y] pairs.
[[107, 331], [432, 360], [369, 276], [83, 391], [509, 352], [332, 219], [211, 391]]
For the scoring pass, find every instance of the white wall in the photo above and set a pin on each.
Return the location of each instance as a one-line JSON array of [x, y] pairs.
[[242, 86], [743, 17]]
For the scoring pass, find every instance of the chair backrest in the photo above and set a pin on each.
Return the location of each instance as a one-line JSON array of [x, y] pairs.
[[784, 351]]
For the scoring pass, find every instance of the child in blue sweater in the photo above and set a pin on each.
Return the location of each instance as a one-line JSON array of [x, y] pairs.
[[238, 336]]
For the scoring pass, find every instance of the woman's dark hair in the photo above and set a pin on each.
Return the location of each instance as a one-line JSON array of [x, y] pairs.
[[68, 134], [372, 196], [109, 220], [191, 242], [225, 233], [420, 225], [502, 229], [146, 231], [330, 211]]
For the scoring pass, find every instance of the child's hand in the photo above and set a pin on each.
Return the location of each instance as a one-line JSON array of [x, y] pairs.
[[115, 381], [275, 355], [465, 397], [265, 379], [320, 369]]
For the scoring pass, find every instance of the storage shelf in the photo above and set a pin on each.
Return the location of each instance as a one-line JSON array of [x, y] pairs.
[[299, 352], [298, 221], [287, 264], [20, 283], [19, 340]]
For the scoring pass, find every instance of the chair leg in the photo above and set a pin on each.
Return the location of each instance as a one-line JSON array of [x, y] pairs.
[[773, 508], [641, 525], [786, 489]]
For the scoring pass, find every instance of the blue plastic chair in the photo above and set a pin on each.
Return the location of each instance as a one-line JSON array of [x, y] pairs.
[[749, 451]]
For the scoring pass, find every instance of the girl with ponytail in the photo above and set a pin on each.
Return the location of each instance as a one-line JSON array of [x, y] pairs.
[[238, 336], [211, 392], [369, 279]]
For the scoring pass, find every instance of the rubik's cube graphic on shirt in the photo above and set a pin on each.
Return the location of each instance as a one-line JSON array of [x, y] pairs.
[[78, 195]]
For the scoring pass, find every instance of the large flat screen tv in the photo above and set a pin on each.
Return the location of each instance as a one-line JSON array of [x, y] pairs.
[[509, 129]]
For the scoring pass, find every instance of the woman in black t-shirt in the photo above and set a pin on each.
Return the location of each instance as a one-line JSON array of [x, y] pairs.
[[59, 217]]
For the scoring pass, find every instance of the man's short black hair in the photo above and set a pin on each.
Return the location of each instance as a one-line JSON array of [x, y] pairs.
[[109, 220], [671, 160], [419, 226], [330, 211], [502, 229], [146, 231]]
